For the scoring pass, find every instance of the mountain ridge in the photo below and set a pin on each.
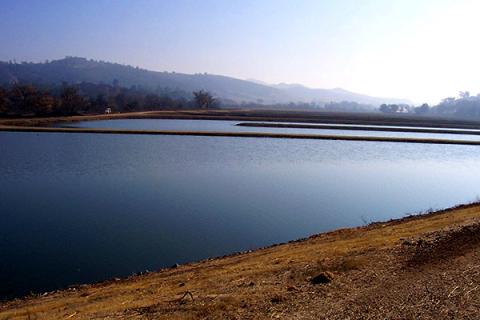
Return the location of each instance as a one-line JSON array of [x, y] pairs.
[[77, 69]]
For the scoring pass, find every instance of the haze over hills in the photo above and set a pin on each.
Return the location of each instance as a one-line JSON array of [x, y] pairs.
[[75, 70], [336, 95]]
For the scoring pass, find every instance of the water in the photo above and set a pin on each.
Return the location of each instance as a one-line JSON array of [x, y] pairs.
[[230, 126], [79, 208]]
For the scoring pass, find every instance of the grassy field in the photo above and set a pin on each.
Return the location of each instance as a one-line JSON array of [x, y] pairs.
[[424, 266]]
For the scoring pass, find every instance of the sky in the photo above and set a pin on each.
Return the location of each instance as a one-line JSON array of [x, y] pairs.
[[422, 50]]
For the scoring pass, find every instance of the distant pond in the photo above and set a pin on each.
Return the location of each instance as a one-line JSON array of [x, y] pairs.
[[230, 126], [79, 208]]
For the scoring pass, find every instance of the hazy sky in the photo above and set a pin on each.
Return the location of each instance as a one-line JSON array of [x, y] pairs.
[[420, 50]]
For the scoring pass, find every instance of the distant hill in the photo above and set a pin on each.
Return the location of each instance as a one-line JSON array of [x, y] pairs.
[[297, 91], [75, 70]]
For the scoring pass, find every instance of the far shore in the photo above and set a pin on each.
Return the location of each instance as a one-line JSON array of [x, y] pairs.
[[300, 116], [358, 128], [422, 266], [39, 124], [240, 135]]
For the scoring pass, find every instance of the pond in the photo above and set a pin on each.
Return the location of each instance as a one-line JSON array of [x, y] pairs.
[[231, 126], [79, 208]]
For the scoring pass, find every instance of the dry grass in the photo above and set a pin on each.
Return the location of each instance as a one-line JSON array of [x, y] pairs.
[[261, 284]]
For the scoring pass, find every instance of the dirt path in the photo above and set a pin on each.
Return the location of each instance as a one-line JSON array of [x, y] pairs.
[[424, 267]]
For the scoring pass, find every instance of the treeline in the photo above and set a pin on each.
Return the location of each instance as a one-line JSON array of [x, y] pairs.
[[89, 98], [348, 106], [463, 106], [342, 106]]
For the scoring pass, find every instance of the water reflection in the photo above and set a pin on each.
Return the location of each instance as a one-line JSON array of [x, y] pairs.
[[79, 208]]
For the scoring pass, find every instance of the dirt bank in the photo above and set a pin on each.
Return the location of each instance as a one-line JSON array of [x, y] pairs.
[[357, 128], [422, 267]]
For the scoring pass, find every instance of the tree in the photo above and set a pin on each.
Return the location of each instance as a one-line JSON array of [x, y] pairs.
[[132, 106], [423, 109], [390, 108], [464, 94], [3, 101], [99, 104], [120, 101], [65, 99], [44, 104], [448, 101], [22, 98], [203, 99], [71, 101]]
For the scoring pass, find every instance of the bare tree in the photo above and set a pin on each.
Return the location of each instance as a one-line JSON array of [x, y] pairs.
[[203, 99]]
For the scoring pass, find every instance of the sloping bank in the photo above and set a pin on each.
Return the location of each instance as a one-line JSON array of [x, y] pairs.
[[237, 134], [419, 267]]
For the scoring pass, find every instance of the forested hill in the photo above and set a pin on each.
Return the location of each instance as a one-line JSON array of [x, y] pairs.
[[76, 70]]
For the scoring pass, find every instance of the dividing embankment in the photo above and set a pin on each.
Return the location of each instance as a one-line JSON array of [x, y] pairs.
[[368, 122], [237, 134], [357, 128]]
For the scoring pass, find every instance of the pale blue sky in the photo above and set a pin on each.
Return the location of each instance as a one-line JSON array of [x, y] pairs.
[[421, 50]]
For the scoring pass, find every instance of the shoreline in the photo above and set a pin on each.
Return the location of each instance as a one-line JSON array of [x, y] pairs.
[[323, 120], [239, 135], [41, 125], [320, 117], [221, 286], [357, 128]]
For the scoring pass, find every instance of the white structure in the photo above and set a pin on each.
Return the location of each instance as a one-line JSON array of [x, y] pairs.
[[108, 110]]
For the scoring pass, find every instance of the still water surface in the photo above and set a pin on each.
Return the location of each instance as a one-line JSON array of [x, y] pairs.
[[230, 126], [78, 208]]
